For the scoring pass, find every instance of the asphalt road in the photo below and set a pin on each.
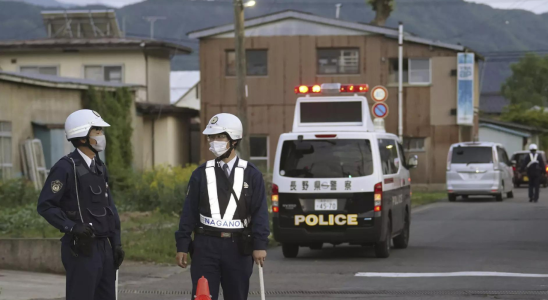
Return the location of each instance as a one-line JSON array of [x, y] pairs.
[[474, 235]]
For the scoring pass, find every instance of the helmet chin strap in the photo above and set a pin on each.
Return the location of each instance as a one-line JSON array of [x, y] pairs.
[[88, 144]]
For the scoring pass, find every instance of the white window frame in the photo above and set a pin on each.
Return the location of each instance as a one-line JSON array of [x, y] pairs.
[[267, 158], [57, 67], [103, 70], [410, 70], [246, 50], [9, 165], [414, 149], [340, 57]]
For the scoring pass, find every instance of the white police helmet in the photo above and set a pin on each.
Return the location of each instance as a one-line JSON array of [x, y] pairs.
[[533, 147], [228, 123], [81, 121]]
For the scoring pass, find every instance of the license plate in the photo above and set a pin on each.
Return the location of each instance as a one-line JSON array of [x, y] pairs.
[[325, 204], [525, 178]]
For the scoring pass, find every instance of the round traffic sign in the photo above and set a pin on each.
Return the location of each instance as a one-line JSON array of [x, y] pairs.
[[379, 93], [380, 110]]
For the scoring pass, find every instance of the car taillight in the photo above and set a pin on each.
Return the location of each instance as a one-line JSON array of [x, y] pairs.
[[378, 197], [514, 168], [546, 169], [275, 199], [449, 159]]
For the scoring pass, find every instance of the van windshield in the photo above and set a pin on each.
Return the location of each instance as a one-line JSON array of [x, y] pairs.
[[472, 155], [331, 158]]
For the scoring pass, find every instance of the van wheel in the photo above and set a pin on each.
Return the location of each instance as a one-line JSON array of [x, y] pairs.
[[382, 249], [498, 197], [402, 240], [452, 197], [316, 246], [510, 194], [290, 250]]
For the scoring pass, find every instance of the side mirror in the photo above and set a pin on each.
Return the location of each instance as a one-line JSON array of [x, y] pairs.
[[412, 162]]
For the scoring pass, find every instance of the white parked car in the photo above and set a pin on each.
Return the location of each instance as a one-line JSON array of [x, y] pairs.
[[479, 168]]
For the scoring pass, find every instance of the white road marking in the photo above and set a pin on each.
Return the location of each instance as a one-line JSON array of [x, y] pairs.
[[449, 274]]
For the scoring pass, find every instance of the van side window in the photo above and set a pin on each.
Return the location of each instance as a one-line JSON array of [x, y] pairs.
[[503, 158], [390, 160], [402, 156]]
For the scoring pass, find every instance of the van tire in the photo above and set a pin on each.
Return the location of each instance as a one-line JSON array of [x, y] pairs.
[[452, 197], [498, 197], [510, 195], [290, 250], [382, 248], [402, 240]]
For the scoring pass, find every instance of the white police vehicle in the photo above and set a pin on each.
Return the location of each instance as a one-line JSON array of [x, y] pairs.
[[337, 179]]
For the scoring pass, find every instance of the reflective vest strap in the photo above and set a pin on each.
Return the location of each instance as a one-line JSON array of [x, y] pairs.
[[242, 163], [238, 185], [534, 159], [212, 190]]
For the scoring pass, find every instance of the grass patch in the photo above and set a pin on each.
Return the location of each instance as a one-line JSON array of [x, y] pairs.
[[423, 198]]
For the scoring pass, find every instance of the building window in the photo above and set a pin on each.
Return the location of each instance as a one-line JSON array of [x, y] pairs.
[[390, 160], [256, 60], [6, 163], [259, 147], [103, 73], [415, 71], [338, 61], [413, 144], [45, 70]]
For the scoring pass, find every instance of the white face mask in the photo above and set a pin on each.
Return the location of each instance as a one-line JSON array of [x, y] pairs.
[[101, 143], [218, 148]]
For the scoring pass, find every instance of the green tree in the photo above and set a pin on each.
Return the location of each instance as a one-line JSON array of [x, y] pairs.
[[521, 114], [115, 109], [528, 85], [382, 9]]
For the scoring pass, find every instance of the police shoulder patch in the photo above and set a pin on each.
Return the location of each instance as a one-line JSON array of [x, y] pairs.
[[56, 186]]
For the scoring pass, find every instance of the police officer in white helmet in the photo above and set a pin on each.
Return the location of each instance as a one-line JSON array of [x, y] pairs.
[[226, 209], [535, 167], [76, 200]]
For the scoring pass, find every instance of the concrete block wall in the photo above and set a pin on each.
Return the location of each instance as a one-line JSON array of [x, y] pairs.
[[36, 255]]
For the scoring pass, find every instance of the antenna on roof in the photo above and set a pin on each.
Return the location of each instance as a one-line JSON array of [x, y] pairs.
[[338, 11], [152, 20]]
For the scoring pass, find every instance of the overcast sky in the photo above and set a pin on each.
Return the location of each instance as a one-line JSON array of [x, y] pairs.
[[536, 6]]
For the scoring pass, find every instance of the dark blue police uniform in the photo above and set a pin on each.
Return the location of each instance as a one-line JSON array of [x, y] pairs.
[[216, 254], [535, 170], [88, 262]]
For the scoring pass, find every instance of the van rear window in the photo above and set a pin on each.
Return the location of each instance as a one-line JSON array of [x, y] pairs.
[[472, 155], [330, 158]]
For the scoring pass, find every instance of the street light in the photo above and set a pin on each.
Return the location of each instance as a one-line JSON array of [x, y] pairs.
[[250, 3]]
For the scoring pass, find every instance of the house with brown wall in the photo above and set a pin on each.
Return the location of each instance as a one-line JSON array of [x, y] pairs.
[[290, 48]]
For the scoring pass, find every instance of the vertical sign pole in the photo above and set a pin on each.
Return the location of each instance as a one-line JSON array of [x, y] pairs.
[[400, 82]]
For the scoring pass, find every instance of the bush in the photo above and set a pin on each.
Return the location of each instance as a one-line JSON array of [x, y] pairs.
[[24, 221], [17, 192], [163, 188]]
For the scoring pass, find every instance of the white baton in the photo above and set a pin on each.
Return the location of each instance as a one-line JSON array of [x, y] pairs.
[[116, 284], [261, 279]]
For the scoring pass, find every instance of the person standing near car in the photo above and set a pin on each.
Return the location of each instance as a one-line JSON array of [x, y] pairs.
[[535, 167]]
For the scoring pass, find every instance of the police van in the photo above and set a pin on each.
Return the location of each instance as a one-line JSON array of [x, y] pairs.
[[338, 178]]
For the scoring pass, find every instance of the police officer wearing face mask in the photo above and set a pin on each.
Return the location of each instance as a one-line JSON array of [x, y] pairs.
[[76, 200], [226, 210], [535, 167]]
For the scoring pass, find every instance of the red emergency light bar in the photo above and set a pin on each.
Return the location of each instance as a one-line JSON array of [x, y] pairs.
[[344, 88]]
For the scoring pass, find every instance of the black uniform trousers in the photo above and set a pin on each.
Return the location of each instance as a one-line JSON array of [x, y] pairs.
[[220, 262], [534, 188], [90, 277]]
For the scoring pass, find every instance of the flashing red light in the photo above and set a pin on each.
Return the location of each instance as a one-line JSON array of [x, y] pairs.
[[345, 88], [378, 197], [316, 89], [326, 136], [275, 209], [303, 89], [546, 169], [363, 88]]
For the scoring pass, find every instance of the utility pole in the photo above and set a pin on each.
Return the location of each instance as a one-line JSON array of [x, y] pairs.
[[152, 20], [241, 100]]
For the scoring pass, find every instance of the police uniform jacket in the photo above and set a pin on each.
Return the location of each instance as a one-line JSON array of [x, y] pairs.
[[58, 202], [197, 204], [534, 169]]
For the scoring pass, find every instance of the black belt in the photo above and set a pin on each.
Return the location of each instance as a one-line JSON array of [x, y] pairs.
[[215, 233]]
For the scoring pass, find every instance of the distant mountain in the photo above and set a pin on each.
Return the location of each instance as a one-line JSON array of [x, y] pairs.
[[43, 3], [477, 26]]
